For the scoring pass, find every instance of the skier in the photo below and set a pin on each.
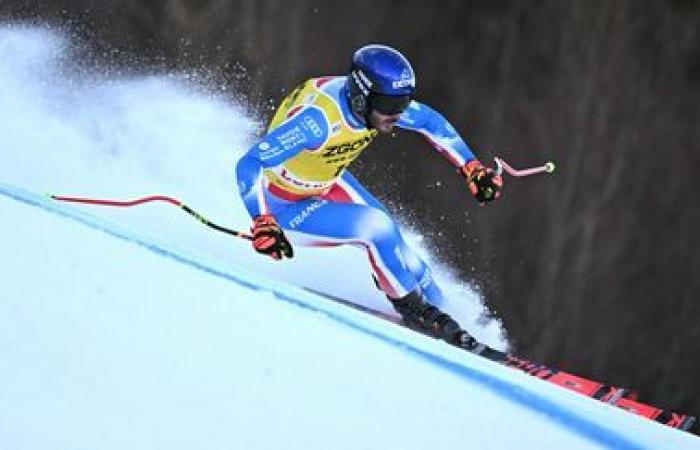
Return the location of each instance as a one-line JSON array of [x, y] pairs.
[[296, 187]]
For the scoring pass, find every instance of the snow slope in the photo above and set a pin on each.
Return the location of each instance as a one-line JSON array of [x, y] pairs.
[[112, 340]]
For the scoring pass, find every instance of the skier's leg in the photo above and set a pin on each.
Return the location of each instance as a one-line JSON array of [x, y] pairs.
[[348, 189], [417, 313], [324, 222]]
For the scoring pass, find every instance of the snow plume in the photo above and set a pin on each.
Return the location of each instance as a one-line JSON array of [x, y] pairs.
[[69, 130]]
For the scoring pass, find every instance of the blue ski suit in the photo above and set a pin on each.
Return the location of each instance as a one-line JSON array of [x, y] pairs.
[[298, 173]]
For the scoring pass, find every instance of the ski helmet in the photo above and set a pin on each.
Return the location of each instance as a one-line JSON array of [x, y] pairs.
[[380, 79]]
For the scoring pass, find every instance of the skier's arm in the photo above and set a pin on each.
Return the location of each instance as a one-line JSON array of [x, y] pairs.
[[308, 129], [438, 131], [483, 182]]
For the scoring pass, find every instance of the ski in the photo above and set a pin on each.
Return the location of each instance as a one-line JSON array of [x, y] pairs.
[[631, 404], [620, 397], [589, 388]]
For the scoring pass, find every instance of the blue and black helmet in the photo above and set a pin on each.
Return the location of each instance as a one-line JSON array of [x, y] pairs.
[[380, 79]]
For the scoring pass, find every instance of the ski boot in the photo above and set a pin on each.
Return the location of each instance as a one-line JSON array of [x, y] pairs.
[[421, 316]]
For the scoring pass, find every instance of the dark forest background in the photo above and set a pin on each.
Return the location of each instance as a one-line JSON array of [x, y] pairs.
[[595, 269]]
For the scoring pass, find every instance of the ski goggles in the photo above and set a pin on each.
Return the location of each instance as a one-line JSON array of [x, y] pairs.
[[390, 104]]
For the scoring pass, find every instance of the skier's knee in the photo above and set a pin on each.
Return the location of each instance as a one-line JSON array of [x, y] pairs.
[[378, 227]]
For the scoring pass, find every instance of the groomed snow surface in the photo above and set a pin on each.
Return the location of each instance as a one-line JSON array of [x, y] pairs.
[[145, 330], [112, 341]]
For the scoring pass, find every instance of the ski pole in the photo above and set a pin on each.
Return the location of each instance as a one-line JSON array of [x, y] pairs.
[[153, 198], [501, 165]]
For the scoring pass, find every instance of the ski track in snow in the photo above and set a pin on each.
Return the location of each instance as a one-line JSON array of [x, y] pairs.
[[70, 131]]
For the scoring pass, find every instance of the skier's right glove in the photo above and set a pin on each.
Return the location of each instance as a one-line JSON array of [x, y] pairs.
[[269, 239]]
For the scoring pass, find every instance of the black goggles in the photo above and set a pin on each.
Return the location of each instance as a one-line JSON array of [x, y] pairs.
[[389, 104]]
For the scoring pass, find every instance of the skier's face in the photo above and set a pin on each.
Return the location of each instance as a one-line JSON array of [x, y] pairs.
[[384, 123]]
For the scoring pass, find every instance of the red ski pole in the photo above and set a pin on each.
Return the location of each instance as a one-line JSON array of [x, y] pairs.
[[501, 165], [153, 198]]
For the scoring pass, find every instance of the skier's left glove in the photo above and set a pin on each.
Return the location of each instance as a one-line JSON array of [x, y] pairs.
[[483, 182], [269, 239]]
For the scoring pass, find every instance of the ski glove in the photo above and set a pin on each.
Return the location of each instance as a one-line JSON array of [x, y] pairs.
[[269, 239], [484, 183]]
